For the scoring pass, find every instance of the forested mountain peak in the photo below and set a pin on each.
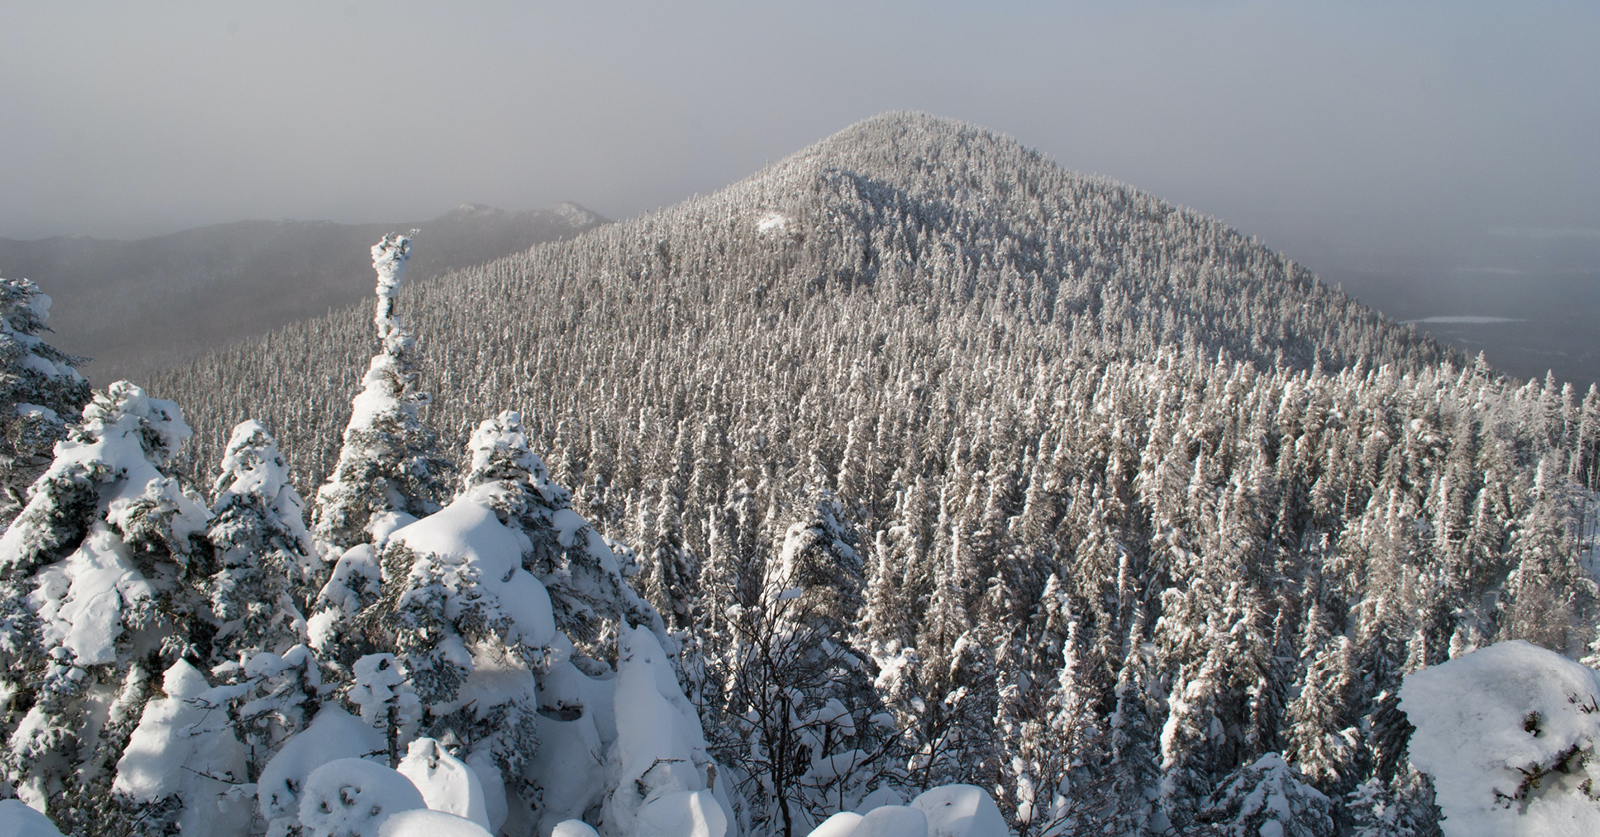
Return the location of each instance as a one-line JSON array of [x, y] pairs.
[[1006, 476]]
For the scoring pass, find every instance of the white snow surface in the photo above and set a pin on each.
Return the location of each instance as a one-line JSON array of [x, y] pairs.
[[18, 820], [573, 828], [838, 825], [353, 798], [961, 811], [468, 534], [1487, 720], [332, 735], [892, 821], [682, 814], [660, 749], [772, 222], [80, 599], [428, 823], [447, 784], [184, 746]]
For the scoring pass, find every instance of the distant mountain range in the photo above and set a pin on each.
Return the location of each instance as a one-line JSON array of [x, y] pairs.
[[134, 307]]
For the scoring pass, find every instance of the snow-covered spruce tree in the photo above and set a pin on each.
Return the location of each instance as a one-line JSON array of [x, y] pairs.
[[41, 394], [1266, 797], [479, 605], [389, 471], [103, 574], [260, 591]]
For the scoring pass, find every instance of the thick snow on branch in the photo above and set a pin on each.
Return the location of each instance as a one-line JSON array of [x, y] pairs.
[[389, 260]]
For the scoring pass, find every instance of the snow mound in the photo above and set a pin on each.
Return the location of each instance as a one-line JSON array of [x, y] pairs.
[[841, 824], [1508, 735], [573, 828], [172, 751], [682, 814], [353, 797], [447, 784], [429, 823], [18, 820], [892, 821], [961, 811], [333, 735]]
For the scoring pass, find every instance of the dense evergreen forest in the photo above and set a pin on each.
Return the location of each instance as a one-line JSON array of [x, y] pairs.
[[932, 463]]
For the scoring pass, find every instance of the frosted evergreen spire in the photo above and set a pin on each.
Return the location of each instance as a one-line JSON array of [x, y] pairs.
[[389, 469]]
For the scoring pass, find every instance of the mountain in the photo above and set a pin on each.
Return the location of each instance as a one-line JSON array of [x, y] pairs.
[[977, 470], [133, 307]]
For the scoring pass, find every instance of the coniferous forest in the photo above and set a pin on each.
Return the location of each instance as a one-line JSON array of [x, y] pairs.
[[913, 474]]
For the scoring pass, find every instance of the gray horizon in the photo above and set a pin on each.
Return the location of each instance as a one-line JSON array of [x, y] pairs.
[[1366, 140]]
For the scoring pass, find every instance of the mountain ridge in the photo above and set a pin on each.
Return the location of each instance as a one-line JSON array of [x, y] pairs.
[[204, 287]]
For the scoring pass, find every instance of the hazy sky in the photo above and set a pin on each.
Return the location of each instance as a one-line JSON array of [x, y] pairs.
[[1382, 127]]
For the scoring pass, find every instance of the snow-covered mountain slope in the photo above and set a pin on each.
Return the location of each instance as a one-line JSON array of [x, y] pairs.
[[1013, 477]]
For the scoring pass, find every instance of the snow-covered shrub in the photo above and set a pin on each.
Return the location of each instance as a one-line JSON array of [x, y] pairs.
[[332, 735], [446, 783], [430, 823], [1508, 735], [960, 811], [184, 748]]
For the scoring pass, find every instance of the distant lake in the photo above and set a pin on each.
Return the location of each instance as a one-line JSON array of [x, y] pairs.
[[1525, 322]]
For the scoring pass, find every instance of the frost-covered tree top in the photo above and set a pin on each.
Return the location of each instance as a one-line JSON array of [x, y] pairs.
[[388, 464], [389, 260]]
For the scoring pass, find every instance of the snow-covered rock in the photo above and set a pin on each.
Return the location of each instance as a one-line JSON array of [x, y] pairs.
[[1508, 734], [961, 811], [353, 797]]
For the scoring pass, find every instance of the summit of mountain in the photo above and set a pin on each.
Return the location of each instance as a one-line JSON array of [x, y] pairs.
[[908, 243], [133, 307]]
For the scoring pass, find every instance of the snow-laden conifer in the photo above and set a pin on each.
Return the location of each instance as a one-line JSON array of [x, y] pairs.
[[41, 394], [260, 591], [102, 575], [389, 472]]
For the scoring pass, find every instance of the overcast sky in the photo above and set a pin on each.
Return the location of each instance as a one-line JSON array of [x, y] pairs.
[[1383, 127]]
